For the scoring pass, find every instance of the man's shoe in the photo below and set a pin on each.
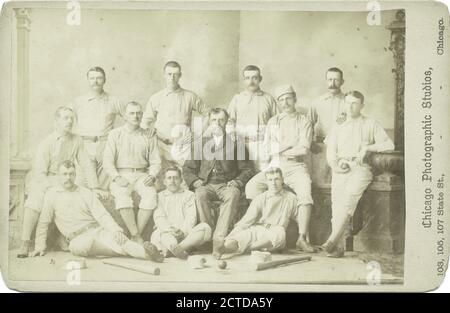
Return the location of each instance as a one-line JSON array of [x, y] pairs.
[[24, 250], [153, 252], [179, 252], [304, 246], [218, 249], [336, 253]]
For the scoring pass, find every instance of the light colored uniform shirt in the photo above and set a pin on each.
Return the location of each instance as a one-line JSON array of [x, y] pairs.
[[276, 210], [56, 148], [285, 130], [96, 116], [177, 210], [250, 112], [168, 108], [324, 112], [131, 149], [73, 211], [345, 140]]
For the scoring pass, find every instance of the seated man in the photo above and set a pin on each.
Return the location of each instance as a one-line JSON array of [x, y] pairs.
[[61, 145], [348, 145], [287, 142], [175, 218], [86, 224], [132, 161], [264, 225], [219, 172]]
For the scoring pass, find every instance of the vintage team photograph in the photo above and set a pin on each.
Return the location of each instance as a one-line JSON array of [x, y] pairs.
[[206, 146]]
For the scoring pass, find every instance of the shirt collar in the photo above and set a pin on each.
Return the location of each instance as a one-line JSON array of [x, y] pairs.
[[91, 96], [126, 129], [61, 189], [271, 195], [329, 95], [259, 92], [168, 91], [167, 192], [58, 136]]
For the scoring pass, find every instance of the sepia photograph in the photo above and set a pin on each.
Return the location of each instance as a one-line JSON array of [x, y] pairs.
[[207, 146]]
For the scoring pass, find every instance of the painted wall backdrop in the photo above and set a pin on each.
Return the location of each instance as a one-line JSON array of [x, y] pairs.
[[212, 47]]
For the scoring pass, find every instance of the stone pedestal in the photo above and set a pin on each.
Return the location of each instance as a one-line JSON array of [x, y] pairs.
[[379, 224]]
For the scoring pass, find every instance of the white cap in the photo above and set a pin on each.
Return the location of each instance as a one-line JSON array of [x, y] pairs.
[[282, 90]]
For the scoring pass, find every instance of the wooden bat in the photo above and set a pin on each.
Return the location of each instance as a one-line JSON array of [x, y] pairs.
[[272, 264], [147, 268]]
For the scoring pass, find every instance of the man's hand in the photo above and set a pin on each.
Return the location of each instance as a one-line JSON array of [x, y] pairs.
[[150, 132], [101, 194], [149, 180], [198, 183], [122, 182], [233, 183], [120, 238], [40, 252], [341, 168], [177, 233]]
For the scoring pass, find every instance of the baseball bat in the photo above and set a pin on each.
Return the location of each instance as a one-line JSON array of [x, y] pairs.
[[272, 264], [147, 268]]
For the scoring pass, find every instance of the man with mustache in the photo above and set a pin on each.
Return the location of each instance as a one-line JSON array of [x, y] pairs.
[[175, 218], [287, 142], [324, 112], [84, 221], [132, 161], [349, 145], [95, 114], [219, 172], [249, 113], [169, 114], [60, 145]]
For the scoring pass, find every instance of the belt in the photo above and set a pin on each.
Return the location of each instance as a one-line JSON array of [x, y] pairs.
[[298, 159], [81, 231], [95, 138], [133, 170]]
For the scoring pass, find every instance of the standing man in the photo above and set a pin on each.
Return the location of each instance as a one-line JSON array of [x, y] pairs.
[[169, 112], [264, 225], [175, 218], [348, 147], [60, 145], [95, 114], [324, 112], [131, 160], [287, 140], [219, 173], [249, 113], [84, 221]]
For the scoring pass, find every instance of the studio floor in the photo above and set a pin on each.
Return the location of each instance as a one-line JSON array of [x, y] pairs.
[[354, 268]]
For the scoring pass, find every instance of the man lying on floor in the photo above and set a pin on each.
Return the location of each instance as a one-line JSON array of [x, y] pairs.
[[264, 225], [83, 220]]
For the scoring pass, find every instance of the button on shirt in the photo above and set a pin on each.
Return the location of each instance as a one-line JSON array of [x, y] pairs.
[[127, 148], [286, 130], [169, 108], [176, 209], [345, 140], [324, 112], [73, 211], [95, 116], [57, 148], [270, 209], [250, 112]]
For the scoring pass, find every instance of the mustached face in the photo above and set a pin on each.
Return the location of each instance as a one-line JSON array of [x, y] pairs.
[[252, 80], [96, 80], [334, 81], [64, 122], [172, 181], [287, 102], [133, 115], [66, 177], [217, 123]]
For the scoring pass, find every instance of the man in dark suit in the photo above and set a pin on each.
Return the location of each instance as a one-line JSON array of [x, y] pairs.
[[219, 171]]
